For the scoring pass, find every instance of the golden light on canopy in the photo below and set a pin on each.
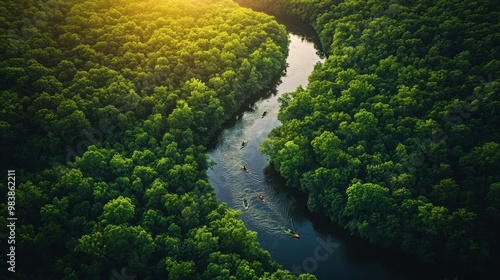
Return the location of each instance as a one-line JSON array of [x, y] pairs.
[[107, 107]]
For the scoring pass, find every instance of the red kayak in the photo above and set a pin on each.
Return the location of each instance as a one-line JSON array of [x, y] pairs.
[[261, 197]]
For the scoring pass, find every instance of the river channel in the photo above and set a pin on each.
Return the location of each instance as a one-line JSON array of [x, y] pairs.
[[324, 249]]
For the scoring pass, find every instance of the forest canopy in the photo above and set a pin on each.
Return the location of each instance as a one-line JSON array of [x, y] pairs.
[[107, 107], [397, 135]]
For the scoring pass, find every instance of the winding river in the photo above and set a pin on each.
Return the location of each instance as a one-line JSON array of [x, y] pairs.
[[324, 249]]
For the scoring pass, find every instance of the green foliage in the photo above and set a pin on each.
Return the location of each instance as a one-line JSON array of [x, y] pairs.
[[396, 136], [106, 109], [120, 64], [117, 211]]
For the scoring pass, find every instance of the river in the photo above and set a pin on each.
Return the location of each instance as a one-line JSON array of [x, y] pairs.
[[324, 249]]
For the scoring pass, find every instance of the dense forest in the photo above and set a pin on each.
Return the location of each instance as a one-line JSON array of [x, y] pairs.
[[397, 136], [106, 109]]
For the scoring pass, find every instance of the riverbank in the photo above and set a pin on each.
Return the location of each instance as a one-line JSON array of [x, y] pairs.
[[420, 187], [345, 257]]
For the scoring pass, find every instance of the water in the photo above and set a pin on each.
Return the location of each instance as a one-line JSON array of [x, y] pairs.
[[323, 249]]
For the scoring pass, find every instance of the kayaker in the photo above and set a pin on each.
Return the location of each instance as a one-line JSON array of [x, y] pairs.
[[261, 197], [245, 168]]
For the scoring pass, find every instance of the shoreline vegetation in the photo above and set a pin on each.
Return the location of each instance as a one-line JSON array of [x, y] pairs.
[[107, 109], [397, 136]]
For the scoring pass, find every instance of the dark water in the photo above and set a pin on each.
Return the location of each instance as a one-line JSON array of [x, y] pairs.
[[323, 249]]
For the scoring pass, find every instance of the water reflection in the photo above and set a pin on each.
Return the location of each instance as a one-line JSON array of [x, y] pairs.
[[323, 249]]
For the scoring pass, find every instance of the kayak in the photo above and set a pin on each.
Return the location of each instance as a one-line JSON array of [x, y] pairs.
[[261, 197], [289, 232], [243, 144], [263, 114], [245, 204], [244, 168]]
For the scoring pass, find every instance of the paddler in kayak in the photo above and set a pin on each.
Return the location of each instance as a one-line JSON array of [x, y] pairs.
[[261, 197], [244, 168], [292, 233], [264, 114], [245, 203], [243, 144]]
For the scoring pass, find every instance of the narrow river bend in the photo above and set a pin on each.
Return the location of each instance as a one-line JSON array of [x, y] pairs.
[[323, 249]]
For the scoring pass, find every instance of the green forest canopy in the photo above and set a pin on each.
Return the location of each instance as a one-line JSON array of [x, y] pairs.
[[397, 136], [106, 109]]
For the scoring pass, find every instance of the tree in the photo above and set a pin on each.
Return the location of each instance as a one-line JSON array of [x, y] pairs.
[[179, 270], [328, 148], [493, 200], [205, 242], [293, 157], [446, 193], [118, 211], [397, 103], [94, 163], [368, 211], [95, 102]]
